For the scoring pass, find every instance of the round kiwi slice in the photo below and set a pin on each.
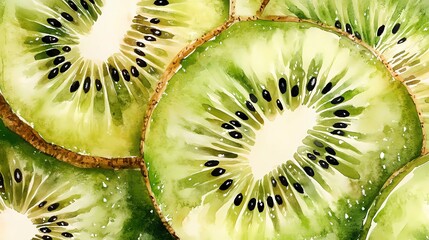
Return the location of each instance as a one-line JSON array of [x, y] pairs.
[[401, 210], [43, 198], [396, 31], [277, 130], [81, 72]]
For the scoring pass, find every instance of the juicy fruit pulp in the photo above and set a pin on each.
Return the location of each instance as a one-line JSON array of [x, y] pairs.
[[81, 72], [43, 198], [357, 125], [397, 32], [401, 210]]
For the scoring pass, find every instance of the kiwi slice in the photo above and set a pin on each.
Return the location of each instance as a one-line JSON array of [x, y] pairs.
[[277, 130], [394, 30], [43, 198], [81, 72], [405, 200]]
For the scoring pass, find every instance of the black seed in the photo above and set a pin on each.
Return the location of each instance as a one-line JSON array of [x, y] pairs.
[[235, 123], [54, 206], [87, 84], [342, 113], [402, 40], [295, 91], [279, 104], [161, 2], [235, 134], [283, 180], [330, 151], [1, 181], [139, 52], [45, 237], [42, 204], [349, 28], [65, 67], [53, 73], [311, 156], [396, 28], [149, 38], [211, 163], [67, 234], [92, 1], [338, 132], [266, 95], [54, 22], [84, 4], [156, 32], [309, 171], [279, 199], [358, 36], [225, 185], [49, 39], [274, 182], [311, 83], [318, 143], [114, 74], [323, 164], [53, 52], [218, 171], [141, 62], [337, 100], [126, 75], [339, 125], [270, 202], [67, 16], [250, 106], [62, 224], [338, 24], [72, 5], [253, 98], [53, 219], [316, 152], [75, 86], [227, 126], [17, 175], [251, 205], [331, 160], [242, 115], [298, 187], [327, 88], [380, 30], [260, 206], [134, 71], [59, 60], [66, 49], [282, 85], [45, 230], [238, 199], [98, 84], [155, 20], [140, 44]]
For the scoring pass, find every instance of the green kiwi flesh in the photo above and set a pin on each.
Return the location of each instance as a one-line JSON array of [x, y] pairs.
[[80, 72], [247, 8], [396, 31], [55, 200], [401, 209], [277, 130]]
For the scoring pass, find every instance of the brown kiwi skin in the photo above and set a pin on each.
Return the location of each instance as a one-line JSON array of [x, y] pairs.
[[14, 123]]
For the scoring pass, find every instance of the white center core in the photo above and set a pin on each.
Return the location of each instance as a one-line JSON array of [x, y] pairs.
[[14, 225], [279, 139], [108, 31]]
